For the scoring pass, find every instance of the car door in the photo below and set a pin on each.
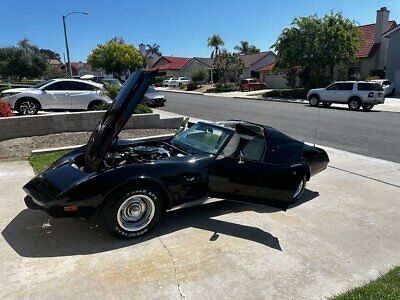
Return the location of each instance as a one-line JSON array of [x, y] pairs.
[[82, 94], [252, 175], [56, 95], [343, 92], [329, 94]]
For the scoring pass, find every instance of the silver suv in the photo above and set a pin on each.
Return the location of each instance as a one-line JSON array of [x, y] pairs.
[[355, 94]]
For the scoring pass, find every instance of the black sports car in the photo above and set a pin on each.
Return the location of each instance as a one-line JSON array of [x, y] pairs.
[[134, 182]]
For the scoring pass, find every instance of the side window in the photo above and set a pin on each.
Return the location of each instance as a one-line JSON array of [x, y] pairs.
[[333, 87], [80, 86], [254, 149], [363, 86], [345, 86], [387, 82], [58, 86]]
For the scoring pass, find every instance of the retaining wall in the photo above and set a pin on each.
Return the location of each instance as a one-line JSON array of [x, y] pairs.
[[24, 126]]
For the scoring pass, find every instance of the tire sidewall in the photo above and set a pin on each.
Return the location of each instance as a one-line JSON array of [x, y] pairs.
[[110, 210], [304, 183]]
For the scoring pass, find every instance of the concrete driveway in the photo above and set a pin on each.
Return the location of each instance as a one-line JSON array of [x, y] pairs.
[[344, 232]]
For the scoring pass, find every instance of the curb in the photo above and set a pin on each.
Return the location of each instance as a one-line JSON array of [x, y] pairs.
[[183, 92]]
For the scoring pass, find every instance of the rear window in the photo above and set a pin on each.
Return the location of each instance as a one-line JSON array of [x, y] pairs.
[[341, 86], [366, 86], [386, 82]]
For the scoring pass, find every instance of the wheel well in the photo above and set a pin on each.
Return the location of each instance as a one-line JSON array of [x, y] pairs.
[[354, 97], [314, 95], [95, 102], [143, 181], [27, 98]]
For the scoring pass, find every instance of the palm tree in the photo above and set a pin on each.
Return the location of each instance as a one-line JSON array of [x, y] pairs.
[[154, 49], [245, 48], [214, 42]]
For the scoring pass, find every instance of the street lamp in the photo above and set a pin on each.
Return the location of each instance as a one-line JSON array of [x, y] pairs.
[[66, 38]]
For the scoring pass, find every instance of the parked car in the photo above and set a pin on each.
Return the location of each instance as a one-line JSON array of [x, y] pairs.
[[134, 182], [167, 82], [388, 86], [179, 81], [154, 98], [355, 93], [57, 94], [252, 84], [112, 81], [103, 80]]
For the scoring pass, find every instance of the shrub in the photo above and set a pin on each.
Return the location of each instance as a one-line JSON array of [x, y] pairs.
[[200, 75], [159, 80], [225, 87], [191, 86], [299, 93], [112, 90], [5, 110], [143, 109]]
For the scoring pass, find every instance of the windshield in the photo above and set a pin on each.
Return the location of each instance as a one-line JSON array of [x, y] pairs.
[[151, 90], [39, 85], [202, 137]]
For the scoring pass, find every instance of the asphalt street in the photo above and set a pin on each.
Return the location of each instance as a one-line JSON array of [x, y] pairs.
[[374, 134]]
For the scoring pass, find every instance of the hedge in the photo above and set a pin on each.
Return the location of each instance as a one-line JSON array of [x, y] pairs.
[[299, 93]]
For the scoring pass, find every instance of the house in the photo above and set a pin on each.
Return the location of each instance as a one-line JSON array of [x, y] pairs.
[[170, 65], [197, 63], [371, 58], [254, 62], [393, 57], [149, 56], [81, 68]]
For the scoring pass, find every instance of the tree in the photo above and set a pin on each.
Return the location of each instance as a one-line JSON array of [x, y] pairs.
[[317, 46], [116, 57], [50, 54], [245, 48], [154, 49], [228, 66], [24, 60], [215, 42], [200, 75]]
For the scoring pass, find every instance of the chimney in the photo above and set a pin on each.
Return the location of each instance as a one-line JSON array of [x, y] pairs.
[[382, 22], [142, 50]]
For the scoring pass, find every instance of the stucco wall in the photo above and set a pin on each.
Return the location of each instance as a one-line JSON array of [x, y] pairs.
[[193, 66], [393, 59]]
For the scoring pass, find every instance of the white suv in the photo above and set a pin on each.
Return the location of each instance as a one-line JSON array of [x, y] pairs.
[[355, 94], [179, 81], [57, 94]]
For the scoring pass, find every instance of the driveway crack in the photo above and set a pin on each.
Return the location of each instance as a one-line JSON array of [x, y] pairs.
[[182, 295]]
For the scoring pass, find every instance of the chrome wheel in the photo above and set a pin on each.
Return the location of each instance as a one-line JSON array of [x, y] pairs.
[[354, 104], [299, 189], [28, 108], [136, 212]]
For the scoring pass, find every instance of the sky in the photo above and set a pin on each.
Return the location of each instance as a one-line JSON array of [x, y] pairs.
[[180, 27]]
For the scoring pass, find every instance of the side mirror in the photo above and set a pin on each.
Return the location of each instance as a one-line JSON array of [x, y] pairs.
[[241, 157]]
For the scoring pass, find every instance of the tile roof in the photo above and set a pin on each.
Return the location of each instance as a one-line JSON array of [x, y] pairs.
[[175, 63], [367, 39], [249, 59], [267, 68]]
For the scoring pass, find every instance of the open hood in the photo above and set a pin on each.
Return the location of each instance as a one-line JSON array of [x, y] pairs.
[[116, 117]]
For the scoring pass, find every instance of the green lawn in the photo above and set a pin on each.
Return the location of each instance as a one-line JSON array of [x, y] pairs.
[[40, 162], [385, 287]]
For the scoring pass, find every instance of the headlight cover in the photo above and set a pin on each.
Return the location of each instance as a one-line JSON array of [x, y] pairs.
[[5, 94]]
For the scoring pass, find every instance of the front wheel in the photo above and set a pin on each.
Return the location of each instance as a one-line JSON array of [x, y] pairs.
[[28, 107], [367, 107], [133, 212], [314, 101]]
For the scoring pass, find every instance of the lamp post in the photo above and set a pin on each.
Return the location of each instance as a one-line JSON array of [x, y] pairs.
[[66, 38]]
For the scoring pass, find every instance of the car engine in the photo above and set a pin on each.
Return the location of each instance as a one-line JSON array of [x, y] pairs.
[[137, 154]]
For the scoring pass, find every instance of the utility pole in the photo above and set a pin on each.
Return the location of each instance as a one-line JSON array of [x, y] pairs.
[[66, 38]]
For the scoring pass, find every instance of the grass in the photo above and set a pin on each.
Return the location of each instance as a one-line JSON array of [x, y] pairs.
[[386, 286], [40, 162]]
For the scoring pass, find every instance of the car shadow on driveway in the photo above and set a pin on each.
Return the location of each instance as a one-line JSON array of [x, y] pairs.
[[34, 234]]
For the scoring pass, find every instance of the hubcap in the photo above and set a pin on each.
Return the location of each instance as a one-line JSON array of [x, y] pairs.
[[353, 104], [27, 108], [136, 212]]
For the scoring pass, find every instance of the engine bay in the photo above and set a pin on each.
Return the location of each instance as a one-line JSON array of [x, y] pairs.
[[140, 154]]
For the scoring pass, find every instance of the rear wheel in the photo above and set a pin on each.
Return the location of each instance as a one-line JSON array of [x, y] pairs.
[[133, 212], [96, 105], [314, 100], [354, 103], [300, 190], [367, 107], [28, 107]]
